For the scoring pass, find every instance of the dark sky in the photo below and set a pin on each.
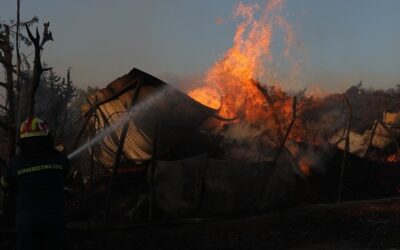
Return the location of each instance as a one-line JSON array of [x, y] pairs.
[[342, 41]]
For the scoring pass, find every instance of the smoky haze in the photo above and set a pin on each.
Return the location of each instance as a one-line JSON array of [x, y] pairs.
[[344, 41]]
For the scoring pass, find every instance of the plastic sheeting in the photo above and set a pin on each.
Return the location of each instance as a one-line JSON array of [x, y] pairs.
[[159, 108], [200, 186], [384, 136]]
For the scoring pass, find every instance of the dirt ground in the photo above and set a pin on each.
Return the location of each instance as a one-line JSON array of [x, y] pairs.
[[366, 225]]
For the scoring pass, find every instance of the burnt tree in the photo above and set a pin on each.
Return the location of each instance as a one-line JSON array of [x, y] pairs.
[[9, 118], [38, 69], [6, 57]]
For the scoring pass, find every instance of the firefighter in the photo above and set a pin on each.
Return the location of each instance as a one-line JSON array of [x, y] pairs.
[[37, 175]]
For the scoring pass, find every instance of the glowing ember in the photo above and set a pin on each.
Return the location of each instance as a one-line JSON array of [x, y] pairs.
[[305, 169], [393, 158], [304, 163], [207, 96]]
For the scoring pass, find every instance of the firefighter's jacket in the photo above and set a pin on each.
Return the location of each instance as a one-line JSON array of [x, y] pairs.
[[39, 186]]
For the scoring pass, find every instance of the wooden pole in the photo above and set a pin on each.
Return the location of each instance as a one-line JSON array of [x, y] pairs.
[[94, 147], [6, 61], [152, 170], [346, 149], [372, 137], [90, 204], [288, 130], [119, 151], [17, 40]]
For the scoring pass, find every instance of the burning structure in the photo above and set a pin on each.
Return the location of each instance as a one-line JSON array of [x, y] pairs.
[[233, 144], [195, 165], [160, 119]]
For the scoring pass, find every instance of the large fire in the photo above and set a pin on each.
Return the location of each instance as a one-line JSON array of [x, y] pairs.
[[230, 83]]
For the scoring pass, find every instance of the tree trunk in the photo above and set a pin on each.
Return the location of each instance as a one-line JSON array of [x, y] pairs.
[[10, 93], [37, 67], [37, 72]]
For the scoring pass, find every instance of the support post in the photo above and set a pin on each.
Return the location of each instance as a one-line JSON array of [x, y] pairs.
[[18, 83], [152, 169], [371, 139], [294, 104], [120, 149], [94, 147], [346, 149]]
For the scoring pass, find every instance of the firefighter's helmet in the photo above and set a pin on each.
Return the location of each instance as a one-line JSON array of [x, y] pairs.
[[33, 126]]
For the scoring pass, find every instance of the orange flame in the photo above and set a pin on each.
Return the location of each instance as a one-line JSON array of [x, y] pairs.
[[393, 158], [232, 76], [207, 96]]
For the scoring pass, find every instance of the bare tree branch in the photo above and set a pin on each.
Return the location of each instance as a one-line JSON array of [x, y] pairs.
[[264, 92], [37, 35], [47, 36], [29, 33], [34, 19]]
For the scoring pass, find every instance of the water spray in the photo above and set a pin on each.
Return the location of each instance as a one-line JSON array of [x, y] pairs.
[[129, 115]]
